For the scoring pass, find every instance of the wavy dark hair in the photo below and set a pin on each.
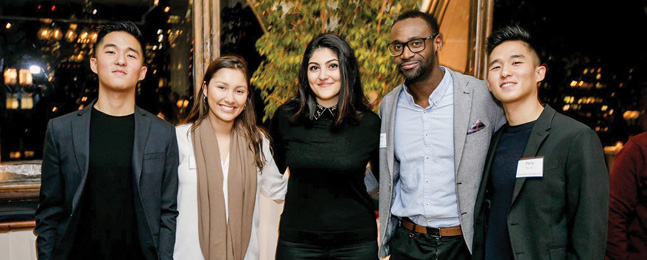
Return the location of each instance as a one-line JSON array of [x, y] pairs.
[[351, 103], [245, 123]]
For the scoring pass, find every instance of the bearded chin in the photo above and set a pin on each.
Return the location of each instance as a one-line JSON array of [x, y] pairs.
[[411, 77]]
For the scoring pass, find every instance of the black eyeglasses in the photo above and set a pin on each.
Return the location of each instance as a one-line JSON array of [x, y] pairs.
[[415, 45]]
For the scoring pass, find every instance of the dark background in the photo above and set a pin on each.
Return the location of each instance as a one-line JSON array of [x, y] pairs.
[[576, 35]]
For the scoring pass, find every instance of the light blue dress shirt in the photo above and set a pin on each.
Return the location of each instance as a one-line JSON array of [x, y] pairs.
[[424, 146]]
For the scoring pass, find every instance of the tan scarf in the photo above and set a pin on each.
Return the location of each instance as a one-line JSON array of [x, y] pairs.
[[220, 240]]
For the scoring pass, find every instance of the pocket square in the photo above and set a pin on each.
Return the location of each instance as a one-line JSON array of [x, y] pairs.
[[477, 126]]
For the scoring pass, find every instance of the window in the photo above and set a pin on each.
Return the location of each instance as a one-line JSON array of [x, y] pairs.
[[44, 63]]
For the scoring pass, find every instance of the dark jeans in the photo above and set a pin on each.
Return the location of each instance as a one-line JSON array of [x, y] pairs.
[[286, 250], [407, 244]]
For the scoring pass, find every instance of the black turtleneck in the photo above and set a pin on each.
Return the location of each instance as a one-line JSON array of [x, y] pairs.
[[326, 202]]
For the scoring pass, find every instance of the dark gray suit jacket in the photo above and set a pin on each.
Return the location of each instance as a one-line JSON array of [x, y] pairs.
[[64, 174], [562, 215]]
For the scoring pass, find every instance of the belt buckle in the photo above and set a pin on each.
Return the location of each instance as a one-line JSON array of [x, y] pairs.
[[434, 232]]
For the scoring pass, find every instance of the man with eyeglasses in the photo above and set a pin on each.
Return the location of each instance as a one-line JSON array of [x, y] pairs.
[[436, 129]]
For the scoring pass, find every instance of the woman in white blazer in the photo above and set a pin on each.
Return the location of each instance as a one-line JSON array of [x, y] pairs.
[[225, 162]]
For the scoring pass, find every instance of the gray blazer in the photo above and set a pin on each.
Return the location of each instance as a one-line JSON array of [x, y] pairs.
[[64, 174], [472, 102]]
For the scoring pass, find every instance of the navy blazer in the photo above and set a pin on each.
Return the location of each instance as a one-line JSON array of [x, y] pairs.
[[64, 174], [563, 214]]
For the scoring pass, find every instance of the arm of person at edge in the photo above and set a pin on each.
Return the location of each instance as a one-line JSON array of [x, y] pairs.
[[50, 208], [169, 212], [587, 195], [623, 198]]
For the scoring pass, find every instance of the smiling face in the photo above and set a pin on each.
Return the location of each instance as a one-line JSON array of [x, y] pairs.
[[226, 94], [415, 66], [513, 73], [324, 76], [118, 62]]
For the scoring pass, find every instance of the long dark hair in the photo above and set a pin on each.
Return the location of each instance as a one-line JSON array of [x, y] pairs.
[[351, 103], [245, 123]]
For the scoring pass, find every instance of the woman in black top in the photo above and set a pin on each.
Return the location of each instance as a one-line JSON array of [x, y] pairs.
[[325, 136]]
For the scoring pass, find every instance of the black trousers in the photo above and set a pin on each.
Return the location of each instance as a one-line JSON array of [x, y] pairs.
[[286, 250], [406, 244]]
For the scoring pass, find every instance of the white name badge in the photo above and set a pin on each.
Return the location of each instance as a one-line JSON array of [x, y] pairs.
[[383, 140], [191, 162], [530, 167]]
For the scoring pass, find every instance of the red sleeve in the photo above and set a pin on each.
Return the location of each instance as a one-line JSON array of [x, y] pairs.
[[623, 182]]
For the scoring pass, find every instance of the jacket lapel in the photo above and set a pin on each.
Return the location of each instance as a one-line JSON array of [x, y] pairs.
[[538, 134], [462, 111], [494, 143], [142, 127], [390, 117], [81, 143]]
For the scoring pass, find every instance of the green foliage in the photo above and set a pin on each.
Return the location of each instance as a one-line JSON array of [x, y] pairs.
[[293, 24]]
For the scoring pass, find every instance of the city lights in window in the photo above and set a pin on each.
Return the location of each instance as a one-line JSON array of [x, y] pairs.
[[10, 76], [573, 83], [34, 69]]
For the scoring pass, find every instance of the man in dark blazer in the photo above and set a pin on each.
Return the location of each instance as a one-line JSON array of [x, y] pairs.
[[109, 172], [545, 189]]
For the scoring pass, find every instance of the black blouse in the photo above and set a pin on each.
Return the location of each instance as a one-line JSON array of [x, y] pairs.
[[326, 202]]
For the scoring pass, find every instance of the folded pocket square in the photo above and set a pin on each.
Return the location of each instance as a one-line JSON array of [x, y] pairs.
[[477, 126]]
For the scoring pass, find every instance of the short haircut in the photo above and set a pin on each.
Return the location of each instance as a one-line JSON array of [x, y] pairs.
[[123, 26], [511, 33], [431, 21], [351, 103]]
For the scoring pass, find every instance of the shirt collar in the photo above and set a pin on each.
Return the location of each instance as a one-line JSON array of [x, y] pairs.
[[437, 94], [321, 110]]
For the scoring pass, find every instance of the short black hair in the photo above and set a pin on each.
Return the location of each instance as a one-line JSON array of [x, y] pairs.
[[511, 33], [123, 26], [431, 21]]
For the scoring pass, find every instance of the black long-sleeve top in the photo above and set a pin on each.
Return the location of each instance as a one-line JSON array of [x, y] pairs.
[[327, 201]]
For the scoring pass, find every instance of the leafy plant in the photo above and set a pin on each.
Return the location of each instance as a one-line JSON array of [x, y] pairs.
[[291, 25]]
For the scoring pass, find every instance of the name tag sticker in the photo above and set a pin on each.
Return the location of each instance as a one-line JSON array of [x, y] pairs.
[[383, 140], [530, 167], [191, 162]]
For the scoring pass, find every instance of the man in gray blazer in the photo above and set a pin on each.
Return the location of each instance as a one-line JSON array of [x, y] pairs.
[[545, 189], [109, 173], [436, 129]]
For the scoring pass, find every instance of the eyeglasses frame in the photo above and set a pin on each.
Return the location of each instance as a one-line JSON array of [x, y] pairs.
[[407, 44]]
